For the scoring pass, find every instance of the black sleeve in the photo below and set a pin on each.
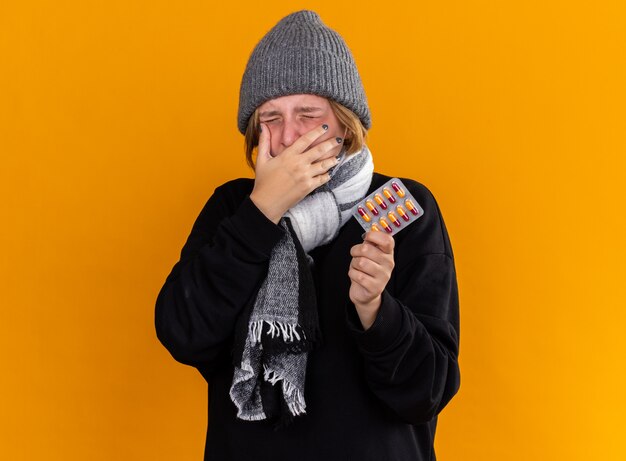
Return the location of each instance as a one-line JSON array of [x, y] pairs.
[[221, 266], [411, 351]]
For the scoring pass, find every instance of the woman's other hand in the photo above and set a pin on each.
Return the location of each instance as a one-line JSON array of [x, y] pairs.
[[370, 270]]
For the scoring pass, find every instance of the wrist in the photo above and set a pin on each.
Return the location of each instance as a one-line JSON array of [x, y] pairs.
[[367, 312], [271, 212]]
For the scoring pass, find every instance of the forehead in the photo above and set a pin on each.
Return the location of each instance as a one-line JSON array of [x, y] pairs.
[[293, 101]]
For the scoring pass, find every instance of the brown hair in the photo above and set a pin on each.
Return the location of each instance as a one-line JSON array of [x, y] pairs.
[[355, 135]]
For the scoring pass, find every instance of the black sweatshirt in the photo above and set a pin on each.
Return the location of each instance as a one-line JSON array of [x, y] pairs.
[[370, 395]]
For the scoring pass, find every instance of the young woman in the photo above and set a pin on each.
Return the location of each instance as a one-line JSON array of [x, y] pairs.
[[318, 343]]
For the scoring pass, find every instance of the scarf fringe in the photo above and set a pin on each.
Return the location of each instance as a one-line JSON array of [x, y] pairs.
[[287, 331], [295, 399], [254, 417]]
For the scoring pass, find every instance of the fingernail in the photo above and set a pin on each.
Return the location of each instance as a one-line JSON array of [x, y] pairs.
[[339, 140], [325, 126], [363, 236]]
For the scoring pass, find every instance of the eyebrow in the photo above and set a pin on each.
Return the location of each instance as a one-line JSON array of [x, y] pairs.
[[299, 110]]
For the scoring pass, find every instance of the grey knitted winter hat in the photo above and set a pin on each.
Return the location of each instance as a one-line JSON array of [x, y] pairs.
[[298, 55]]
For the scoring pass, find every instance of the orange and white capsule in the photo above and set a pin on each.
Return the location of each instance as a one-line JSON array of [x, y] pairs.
[[375, 227], [380, 201], [383, 222], [387, 193], [398, 189], [394, 220], [369, 204], [364, 214], [402, 213], [411, 207]]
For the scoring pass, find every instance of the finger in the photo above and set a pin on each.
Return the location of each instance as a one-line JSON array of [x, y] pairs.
[[324, 165], [385, 242], [362, 279], [370, 251], [327, 149], [367, 266], [373, 261], [263, 149], [355, 251], [304, 141], [320, 179]]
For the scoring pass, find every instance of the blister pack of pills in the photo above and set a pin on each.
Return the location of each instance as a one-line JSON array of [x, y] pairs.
[[390, 208]]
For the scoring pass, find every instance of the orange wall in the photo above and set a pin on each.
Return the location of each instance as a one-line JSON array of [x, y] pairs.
[[117, 121]]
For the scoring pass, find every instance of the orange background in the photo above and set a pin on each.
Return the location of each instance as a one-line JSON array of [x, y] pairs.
[[117, 121]]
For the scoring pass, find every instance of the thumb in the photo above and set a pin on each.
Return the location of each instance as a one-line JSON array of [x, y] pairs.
[[263, 149]]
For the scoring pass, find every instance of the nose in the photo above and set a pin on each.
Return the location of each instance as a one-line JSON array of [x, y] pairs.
[[291, 131]]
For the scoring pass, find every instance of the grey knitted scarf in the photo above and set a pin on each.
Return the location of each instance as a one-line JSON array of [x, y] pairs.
[[274, 336]]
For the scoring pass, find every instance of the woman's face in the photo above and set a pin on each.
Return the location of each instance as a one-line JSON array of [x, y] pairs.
[[289, 117]]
